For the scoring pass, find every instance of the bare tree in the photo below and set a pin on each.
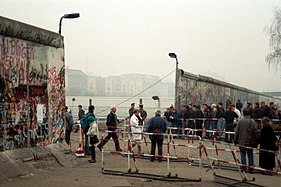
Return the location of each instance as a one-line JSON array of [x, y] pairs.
[[274, 31]]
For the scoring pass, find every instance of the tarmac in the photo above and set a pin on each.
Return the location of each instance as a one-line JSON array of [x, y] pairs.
[[57, 165]]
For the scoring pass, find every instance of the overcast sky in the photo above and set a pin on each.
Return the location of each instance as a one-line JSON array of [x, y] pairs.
[[113, 37]]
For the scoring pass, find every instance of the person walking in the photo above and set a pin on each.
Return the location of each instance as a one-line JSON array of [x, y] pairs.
[[93, 132], [68, 125], [136, 129], [111, 123], [246, 134], [156, 125], [267, 140]]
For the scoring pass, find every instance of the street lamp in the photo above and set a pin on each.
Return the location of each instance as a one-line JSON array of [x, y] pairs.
[[156, 98], [68, 16], [173, 55], [177, 98]]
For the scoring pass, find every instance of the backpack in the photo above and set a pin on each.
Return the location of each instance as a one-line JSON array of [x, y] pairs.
[[84, 121]]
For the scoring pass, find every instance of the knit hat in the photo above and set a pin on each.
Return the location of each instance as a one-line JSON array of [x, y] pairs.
[[91, 118]]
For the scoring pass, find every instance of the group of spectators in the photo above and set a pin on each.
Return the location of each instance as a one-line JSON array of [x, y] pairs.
[[215, 119], [209, 120]]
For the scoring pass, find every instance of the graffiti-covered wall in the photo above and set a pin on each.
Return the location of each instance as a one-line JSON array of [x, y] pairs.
[[198, 89], [32, 94]]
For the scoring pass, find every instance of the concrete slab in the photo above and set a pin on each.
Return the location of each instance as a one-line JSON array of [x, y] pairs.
[[9, 167], [65, 160], [60, 147], [20, 154], [41, 152]]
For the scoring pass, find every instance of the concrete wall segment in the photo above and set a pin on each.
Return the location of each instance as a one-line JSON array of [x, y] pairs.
[[27, 32]]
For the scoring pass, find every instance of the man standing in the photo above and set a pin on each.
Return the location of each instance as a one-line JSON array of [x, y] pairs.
[[246, 134], [143, 113], [81, 112], [220, 115], [131, 110], [85, 130], [111, 123], [68, 125], [156, 125], [229, 116], [239, 105], [258, 114]]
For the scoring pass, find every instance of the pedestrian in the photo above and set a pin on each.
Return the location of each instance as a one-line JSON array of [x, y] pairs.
[[239, 105], [207, 125], [246, 135], [156, 125], [142, 112], [81, 112], [136, 129], [219, 115], [111, 123], [176, 123], [267, 141], [93, 132], [68, 125], [258, 114], [198, 115], [131, 110], [91, 109], [229, 116]]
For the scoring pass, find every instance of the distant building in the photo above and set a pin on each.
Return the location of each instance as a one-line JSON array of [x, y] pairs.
[[76, 82], [125, 85]]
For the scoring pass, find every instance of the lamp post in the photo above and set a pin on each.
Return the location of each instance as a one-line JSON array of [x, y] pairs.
[[173, 55], [156, 98], [68, 16]]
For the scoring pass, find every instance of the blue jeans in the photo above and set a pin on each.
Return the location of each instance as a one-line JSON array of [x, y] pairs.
[[220, 127], [249, 152], [86, 145], [207, 127]]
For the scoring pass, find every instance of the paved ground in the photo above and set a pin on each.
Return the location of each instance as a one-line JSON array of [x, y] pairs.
[[86, 174]]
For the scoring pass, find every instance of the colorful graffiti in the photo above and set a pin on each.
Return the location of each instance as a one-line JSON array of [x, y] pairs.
[[198, 89], [24, 86]]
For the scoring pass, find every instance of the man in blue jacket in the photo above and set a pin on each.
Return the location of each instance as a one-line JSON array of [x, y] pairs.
[[156, 125]]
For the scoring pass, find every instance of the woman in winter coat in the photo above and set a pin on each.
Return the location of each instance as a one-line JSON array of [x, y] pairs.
[[93, 131], [136, 129], [267, 141]]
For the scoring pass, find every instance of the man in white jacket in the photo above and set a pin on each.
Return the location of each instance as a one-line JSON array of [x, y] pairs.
[[136, 129]]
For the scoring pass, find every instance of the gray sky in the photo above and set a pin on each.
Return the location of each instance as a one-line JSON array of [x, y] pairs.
[[114, 37]]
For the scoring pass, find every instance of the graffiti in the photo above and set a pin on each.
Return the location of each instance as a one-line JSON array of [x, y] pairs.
[[27, 82], [38, 75], [198, 89]]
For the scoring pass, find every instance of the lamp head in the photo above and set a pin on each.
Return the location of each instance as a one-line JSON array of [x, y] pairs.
[[172, 55], [71, 16]]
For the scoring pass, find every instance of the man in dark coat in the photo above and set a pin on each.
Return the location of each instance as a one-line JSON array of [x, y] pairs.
[[229, 116], [111, 123], [158, 126]]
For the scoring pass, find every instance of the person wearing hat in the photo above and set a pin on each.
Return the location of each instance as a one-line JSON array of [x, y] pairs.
[[92, 132], [131, 110], [143, 113]]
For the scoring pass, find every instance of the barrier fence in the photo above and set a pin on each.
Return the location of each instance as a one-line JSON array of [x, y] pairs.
[[191, 141]]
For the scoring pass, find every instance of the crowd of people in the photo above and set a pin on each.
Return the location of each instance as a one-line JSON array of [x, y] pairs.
[[233, 124]]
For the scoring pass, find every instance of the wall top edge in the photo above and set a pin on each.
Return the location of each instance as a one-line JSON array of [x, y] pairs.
[[13, 28]]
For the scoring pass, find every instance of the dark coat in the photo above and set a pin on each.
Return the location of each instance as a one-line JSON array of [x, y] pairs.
[[112, 121], [157, 124], [267, 141]]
